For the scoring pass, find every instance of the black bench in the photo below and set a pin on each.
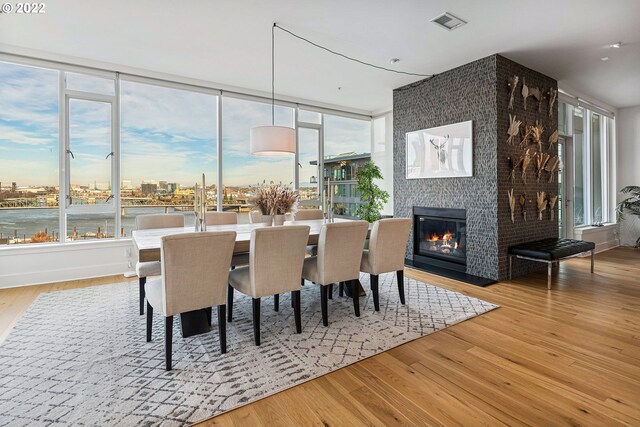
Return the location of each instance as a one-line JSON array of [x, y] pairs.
[[550, 251]]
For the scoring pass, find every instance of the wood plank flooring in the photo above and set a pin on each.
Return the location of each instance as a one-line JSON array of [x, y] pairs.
[[569, 356]]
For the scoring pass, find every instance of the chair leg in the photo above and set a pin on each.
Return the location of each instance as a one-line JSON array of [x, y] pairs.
[[330, 291], [593, 252], [373, 278], [256, 320], [168, 341], [230, 303], [400, 274], [341, 289], [149, 321], [549, 265], [222, 328], [141, 282], [355, 296], [510, 265], [295, 297], [324, 303], [209, 314], [276, 302]]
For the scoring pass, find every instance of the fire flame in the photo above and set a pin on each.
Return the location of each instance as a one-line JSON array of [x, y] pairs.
[[434, 238], [447, 236]]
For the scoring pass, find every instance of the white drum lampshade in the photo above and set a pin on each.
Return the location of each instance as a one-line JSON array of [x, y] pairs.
[[273, 141]]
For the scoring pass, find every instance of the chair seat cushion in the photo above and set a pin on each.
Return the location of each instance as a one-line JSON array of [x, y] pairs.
[[153, 292], [551, 249], [241, 280], [147, 269], [365, 265], [310, 269]]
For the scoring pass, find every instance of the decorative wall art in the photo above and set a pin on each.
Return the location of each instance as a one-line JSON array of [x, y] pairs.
[[440, 152]]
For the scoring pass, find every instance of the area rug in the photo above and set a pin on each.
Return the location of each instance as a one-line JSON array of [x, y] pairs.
[[80, 356]]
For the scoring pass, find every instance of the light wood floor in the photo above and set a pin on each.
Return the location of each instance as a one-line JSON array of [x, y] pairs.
[[570, 356]]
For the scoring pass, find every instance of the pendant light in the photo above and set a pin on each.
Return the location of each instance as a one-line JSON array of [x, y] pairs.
[[273, 140]]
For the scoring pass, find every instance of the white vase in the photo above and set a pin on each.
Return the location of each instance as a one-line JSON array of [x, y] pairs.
[[267, 220], [278, 220]]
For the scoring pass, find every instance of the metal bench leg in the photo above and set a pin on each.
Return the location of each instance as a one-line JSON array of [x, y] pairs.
[[593, 251], [510, 265], [549, 266]]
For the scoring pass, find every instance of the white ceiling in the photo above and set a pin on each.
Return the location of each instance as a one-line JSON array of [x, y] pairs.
[[228, 41]]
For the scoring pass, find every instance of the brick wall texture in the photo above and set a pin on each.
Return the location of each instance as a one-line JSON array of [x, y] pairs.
[[478, 91]]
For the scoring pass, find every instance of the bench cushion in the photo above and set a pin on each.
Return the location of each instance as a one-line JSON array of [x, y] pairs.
[[551, 249]]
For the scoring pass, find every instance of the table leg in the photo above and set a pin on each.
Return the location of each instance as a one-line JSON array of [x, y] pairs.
[[194, 323]]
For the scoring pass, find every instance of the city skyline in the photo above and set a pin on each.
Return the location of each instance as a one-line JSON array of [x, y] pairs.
[[162, 130]]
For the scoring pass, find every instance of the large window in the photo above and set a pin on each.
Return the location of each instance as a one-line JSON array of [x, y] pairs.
[[591, 134], [169, 138], [242, 171], [133, 146], [29, 154]]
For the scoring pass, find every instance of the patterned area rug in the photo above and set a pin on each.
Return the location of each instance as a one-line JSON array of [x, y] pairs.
[[80, 356]]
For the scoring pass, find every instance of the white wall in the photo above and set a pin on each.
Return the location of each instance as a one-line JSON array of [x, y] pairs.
[[34, 264], [628, 165], [382, 155]]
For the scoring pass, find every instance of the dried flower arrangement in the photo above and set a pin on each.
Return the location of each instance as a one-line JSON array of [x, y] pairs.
[[513, 83], [512, 204], [523, 206], [514, 129], [552, 167], [513, 165], [541, 202], [553, 94], [275, 199], [541, 162], [525, 160], [553, 198], [536, 134], [553, 139], [526, 135], [525, 93]]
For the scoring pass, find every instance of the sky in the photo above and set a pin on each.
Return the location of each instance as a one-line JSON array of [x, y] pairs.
[[166, 134]]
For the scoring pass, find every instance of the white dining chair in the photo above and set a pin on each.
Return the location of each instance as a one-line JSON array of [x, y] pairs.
[[339, 253], [386, 253], [305, 215], [275, 266], [255, 217], [152, 268], [195, 273], [227, 218]]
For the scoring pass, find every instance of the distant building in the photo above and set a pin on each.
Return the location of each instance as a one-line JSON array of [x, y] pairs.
[[148, 188], [102, 186], [162, 185], [172, 187], [342, 170], [126, 184], [14, 187]]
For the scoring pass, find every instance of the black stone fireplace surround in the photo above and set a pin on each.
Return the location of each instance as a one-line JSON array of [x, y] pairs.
[[440, 244], [439, 237]]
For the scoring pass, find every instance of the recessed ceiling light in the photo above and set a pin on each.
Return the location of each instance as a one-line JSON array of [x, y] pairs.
[[448, 21], [604, 58], [394, 60], [616, 45]]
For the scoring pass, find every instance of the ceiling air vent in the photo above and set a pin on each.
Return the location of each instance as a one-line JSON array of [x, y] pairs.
[[448, 21]]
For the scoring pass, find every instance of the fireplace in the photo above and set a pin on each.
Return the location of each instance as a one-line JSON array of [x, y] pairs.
[[440, 237]]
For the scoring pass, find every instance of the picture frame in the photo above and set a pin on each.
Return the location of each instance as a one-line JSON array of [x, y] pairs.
[[440, 152]]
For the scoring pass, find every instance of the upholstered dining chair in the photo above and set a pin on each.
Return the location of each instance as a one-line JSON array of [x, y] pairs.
[[339, 253], [195, 273], [387, 245], [255, 217], [276, 255], [226, 218], [152, 268], [307, 214]]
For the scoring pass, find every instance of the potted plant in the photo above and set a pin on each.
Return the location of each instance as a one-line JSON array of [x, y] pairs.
[[630, 205], [372, 197]]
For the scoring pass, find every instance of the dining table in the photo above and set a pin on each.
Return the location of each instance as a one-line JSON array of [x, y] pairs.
[[147, 246]]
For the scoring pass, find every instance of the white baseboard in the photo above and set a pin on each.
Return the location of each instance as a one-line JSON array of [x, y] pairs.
[[62, 275]]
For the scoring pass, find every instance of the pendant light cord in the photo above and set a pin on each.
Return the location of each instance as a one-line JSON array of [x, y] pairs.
[[340, 54], [273, 76]]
